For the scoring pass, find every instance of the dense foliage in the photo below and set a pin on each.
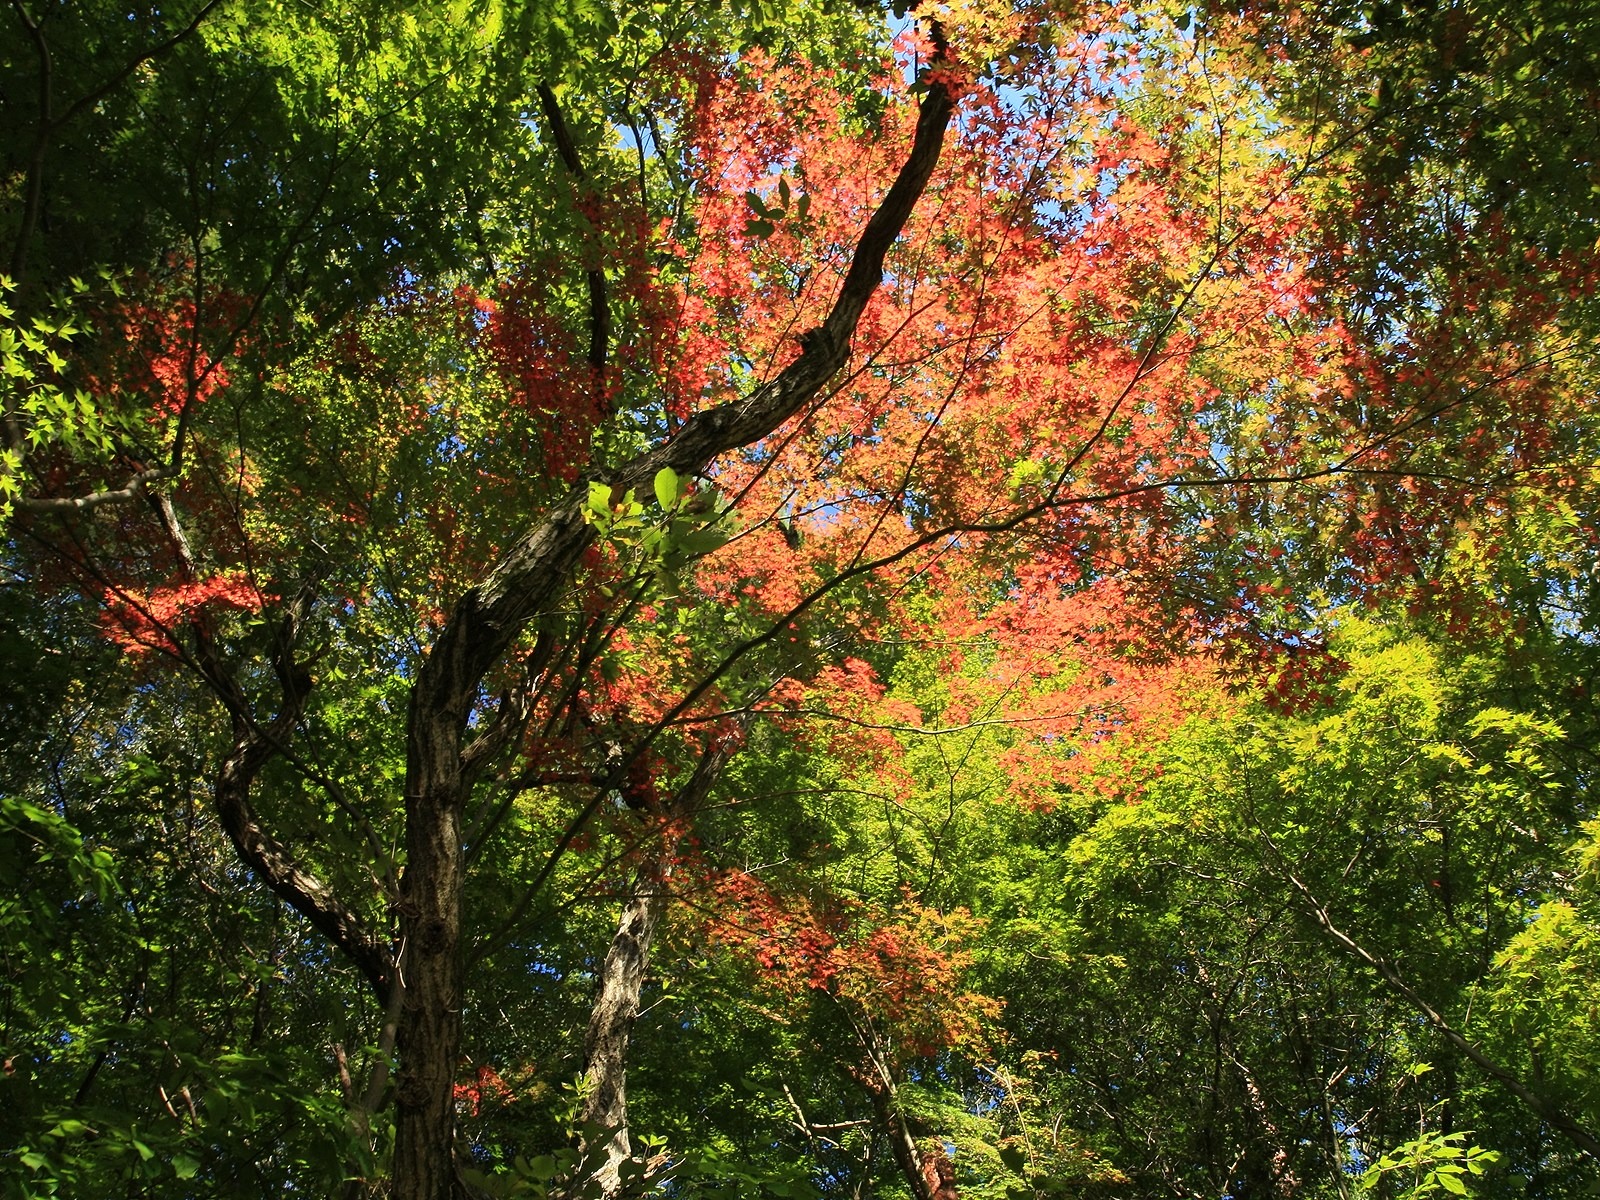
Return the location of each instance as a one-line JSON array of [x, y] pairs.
[[787, 599]]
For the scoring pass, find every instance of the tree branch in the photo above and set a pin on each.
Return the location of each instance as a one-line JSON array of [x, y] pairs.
[[33, 192], [133, 488], [33, 189], [540, 563], [91, 98], [1542, 1107], [253, 746], [595, 277]]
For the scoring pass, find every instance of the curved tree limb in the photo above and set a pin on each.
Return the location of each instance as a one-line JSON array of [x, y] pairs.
[[537, 567], [254, 745]]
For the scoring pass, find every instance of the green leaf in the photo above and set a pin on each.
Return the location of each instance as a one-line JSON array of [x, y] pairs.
[[668, 487], [791, 1188], [702, 541]]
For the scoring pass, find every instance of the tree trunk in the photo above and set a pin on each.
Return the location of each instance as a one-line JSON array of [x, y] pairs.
[[428, 1043], [605, 1046], [929, 1175], [428, 1039]]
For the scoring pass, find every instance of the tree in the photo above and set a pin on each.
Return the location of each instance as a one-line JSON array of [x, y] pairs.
[[476, 537]]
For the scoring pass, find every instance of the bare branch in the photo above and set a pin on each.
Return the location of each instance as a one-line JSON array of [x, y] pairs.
[[131, 490]]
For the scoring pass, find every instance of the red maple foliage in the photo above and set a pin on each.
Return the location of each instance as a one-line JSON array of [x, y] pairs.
[[155, 620]]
